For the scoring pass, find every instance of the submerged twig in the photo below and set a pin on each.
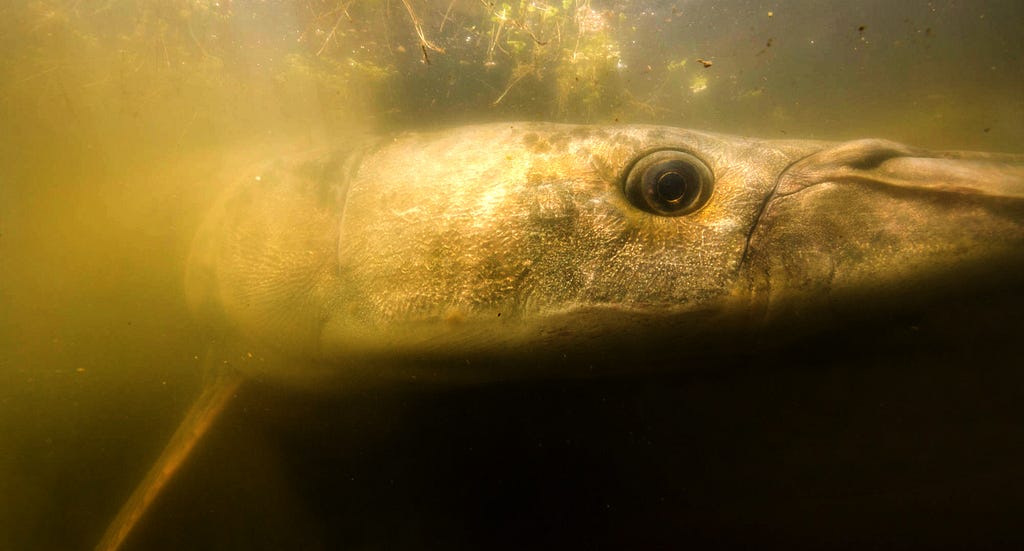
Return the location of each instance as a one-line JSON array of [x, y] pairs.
[[446, 14], [497, 28], [196, 424], [495, 33], [511, 83], [417, 24], [527, 30], [334, 29]]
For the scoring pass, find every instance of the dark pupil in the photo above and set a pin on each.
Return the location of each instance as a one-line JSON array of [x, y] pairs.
[[671, 187]]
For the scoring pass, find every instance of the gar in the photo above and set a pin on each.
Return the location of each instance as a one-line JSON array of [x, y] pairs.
[[517, 250]]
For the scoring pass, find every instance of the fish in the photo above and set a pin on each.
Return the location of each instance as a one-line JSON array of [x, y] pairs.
[[521, 250]]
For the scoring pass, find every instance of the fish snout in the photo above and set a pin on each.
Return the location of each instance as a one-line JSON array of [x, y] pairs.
[[876, 162], [873, 223]]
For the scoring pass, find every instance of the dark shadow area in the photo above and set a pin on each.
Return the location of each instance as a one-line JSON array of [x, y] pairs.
[[896, 435]]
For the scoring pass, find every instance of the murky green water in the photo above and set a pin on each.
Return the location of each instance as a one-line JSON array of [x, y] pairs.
[[121, 121]]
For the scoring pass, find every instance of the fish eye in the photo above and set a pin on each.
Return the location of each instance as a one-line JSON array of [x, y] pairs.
[[669, 183]]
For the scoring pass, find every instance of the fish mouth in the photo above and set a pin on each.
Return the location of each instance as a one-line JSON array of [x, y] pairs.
[[872, 223]]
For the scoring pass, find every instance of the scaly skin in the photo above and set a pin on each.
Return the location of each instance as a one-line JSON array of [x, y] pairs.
[[516, 240]]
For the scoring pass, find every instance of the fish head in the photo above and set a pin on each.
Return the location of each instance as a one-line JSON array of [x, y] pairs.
[[532, 244], [546, 238]]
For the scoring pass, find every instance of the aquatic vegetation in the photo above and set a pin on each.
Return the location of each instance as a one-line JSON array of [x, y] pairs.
[[385, 64]]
